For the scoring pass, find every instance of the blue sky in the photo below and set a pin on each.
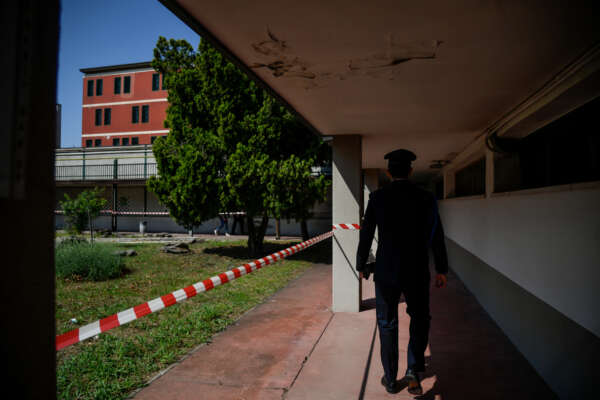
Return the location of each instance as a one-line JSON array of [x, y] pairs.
[[108, 32]]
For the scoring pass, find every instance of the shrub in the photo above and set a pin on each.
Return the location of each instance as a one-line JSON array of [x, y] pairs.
[[95, 262], [80, 211], [70, 240]]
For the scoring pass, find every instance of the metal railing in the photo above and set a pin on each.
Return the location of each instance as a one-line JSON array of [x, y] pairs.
[[83, 172], [323, 170], [116, 171]]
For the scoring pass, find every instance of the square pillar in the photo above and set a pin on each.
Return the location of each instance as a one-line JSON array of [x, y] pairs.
[[449, 183], [347, 202]]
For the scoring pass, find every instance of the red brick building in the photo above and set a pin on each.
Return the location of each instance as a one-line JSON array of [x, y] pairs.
[[122, 105]]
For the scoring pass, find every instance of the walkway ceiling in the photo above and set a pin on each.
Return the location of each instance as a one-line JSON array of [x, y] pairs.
[[430, 76]]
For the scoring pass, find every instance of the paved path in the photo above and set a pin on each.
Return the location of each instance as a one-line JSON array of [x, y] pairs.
[[293, 347], [261, 355]]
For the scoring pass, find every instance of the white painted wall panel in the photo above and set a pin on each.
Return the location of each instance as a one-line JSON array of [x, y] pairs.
[[548, 243]]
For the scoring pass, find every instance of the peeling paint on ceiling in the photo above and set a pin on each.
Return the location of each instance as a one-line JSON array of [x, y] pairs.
[[277, 56], [396, 53]]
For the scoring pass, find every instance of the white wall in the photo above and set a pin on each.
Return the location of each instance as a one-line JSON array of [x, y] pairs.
[[166, 224], [547, 242]]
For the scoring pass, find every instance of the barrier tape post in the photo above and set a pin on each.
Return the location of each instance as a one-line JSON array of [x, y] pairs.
[[131, 314]]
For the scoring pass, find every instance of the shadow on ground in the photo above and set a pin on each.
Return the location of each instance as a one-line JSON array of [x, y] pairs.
[[471, 357], [319, 253]]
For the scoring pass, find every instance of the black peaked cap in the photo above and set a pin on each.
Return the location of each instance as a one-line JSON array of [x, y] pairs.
[[400, 156]]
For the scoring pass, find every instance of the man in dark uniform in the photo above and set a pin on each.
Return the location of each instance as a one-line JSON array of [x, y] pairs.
[[408, 224]]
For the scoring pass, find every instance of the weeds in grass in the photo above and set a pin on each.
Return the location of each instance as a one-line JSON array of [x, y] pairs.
[[82, 260]]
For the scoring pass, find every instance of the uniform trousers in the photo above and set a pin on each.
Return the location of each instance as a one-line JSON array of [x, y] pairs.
[[387, 298]]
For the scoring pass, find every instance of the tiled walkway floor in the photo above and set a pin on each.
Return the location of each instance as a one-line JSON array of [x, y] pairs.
[[293, 347]]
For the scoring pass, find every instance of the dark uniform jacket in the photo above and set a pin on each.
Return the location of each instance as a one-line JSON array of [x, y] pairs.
[[408, 224]]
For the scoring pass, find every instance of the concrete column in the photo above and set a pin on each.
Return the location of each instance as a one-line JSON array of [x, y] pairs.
[[347, 208], [371, 184], [449, 182]]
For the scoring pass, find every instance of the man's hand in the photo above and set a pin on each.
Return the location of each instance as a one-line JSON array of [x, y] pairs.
[[360, 274], [441, 281]]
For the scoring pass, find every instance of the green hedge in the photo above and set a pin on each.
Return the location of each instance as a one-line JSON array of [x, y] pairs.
[[94, 262]]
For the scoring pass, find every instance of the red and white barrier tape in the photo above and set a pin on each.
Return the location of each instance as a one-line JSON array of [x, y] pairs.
[[111, 212], [139, 213], [131, 314], [346, 226]]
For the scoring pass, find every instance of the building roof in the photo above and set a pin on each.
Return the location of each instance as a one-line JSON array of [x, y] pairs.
[[119, 67]]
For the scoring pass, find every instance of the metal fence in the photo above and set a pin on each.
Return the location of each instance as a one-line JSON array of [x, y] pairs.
[[82, 172], [116, 171]]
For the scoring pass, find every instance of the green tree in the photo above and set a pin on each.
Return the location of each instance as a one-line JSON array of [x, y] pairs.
[[231, 146], [81, 211]]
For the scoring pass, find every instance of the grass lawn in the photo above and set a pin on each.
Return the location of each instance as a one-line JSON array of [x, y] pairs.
[[123, 359]]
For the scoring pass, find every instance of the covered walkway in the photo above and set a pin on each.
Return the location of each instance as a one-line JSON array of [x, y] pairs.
[[294, 347], [496, 99]]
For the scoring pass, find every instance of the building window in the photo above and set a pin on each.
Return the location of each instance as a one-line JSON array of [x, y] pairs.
[[90, 88], [145, 113], [98, 117], [116, 142], [88, 143], [125, 141], [117, 85], [98, 87], [563, 152], [126, 84], [97, 142], [107, 116], [470, 180], [155, 81], [135, 140], [135, 114], [152, 139]]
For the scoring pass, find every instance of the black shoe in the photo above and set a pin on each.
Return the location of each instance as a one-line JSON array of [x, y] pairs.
[[414, 383], [390, 388]]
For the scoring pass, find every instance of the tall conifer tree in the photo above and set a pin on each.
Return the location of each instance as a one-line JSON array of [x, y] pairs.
[[231, 146]]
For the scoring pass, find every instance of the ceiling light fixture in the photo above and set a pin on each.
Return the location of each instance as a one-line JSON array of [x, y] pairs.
[[438, 164]]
